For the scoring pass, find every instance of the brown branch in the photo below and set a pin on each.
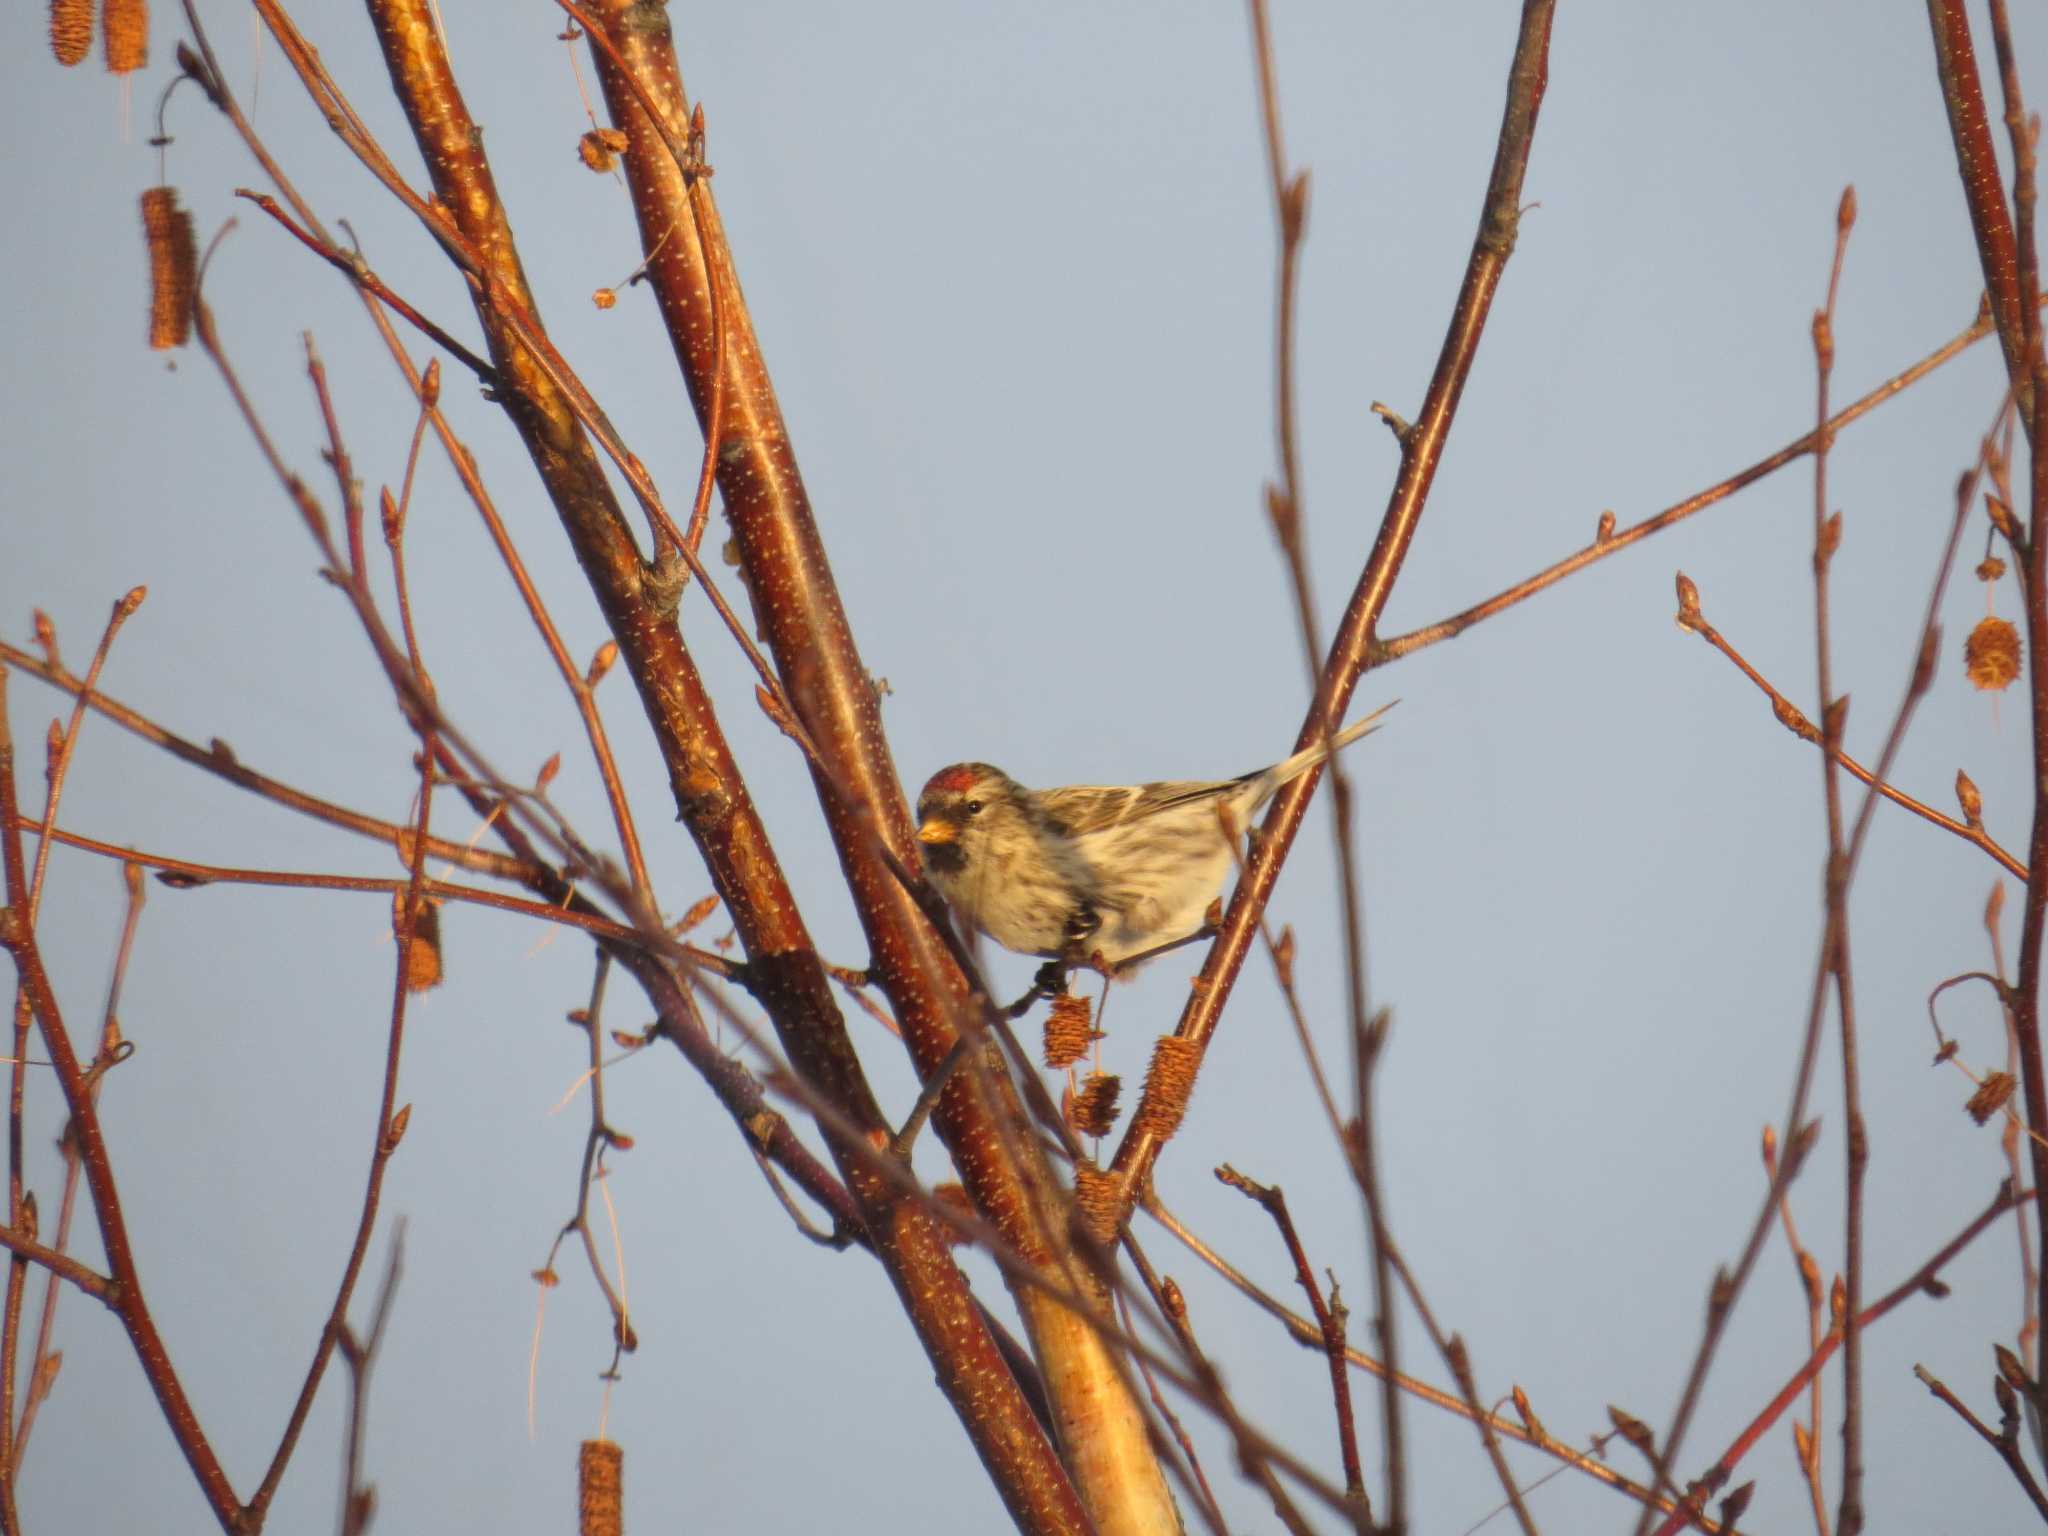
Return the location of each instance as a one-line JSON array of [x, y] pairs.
[[1835, 949], [1252, 1461], [1962, 94], [1329, 1323], [1922, 1279], [220, 761], [390, 1129], [42, 1374], [1808, 1447], [2004, 1440], [2013, 263], [359, 1497], [1459, 1359], [1794, 720], [831, 702], [17, 936], [1421, 448], [2009, 1140], [1728, 1283], [1304, 1332], [599, 1137], [20, 1203], [62, 1267], [783, 965], [358, 270], [1611, 541]]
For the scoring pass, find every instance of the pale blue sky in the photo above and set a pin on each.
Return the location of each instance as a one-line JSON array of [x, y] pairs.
[[1012, 272]]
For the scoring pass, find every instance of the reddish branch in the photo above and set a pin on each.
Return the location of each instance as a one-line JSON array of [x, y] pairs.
[[783, 967], [1330, 1319], [1955, 60], [2012, 279], [1421, 448], [1920, 1280], [1835, 951], [833, 699], [17, 936]]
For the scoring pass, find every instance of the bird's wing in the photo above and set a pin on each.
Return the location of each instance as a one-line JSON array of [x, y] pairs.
[[1081, 809]]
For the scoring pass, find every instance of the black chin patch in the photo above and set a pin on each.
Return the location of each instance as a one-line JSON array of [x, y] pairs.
[[945, 858]]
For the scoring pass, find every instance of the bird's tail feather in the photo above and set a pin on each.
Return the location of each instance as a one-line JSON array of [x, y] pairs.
[[1309, 756]]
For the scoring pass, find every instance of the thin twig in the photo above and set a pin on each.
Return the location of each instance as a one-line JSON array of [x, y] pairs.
[[1612, 541], [1835, 949], [358, 1496], [2006, 1441], [1329, 1322], [1305, 1333], [1914, 1284], [18, 937], [1806, 1441], [42, 1374]]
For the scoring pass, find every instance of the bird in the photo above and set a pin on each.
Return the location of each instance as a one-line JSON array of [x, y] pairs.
[[1093, 873]]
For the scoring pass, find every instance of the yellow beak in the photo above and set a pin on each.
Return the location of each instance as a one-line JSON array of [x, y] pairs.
[[936, 831]]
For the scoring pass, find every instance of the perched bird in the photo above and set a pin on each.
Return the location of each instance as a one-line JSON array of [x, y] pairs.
[[1091, 871]]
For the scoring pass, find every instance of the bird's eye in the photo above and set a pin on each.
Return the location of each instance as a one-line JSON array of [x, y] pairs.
[[974, 807]]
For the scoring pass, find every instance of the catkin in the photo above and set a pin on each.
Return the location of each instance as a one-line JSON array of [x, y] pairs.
[[70, 30], [173, 267], [124, 32], [600, 1505]]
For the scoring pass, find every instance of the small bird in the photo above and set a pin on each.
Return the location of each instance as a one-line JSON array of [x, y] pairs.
[[1092, 871]]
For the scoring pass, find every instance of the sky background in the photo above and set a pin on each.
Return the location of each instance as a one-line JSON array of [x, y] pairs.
[[1012, 271]]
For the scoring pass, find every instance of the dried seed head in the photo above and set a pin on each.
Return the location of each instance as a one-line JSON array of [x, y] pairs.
[[173, 267], [1991, 656], [1067, 1035], [1168, 1082], [1970, 800], [1991, 1096], [70, 30], [604, 298], [1990, 568], [423, 955], [1097, 1202], [594, 152], [600, 1504], [124, 28], [1092, 1111]]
